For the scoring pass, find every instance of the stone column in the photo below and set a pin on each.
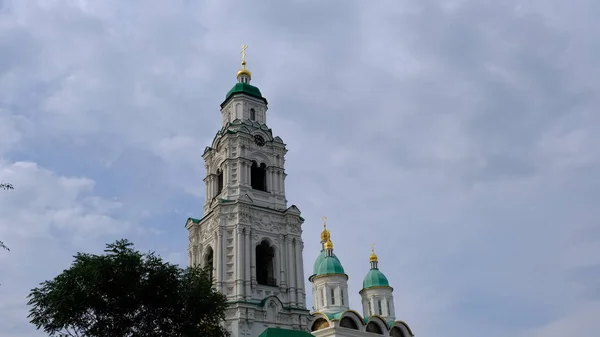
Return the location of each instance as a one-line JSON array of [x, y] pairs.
[[247, 259], [290, 269], [281, 260], [300, 299], [252, 262], [239, 263], [222, 259], [217, 262], [194, 255], [206, 189]]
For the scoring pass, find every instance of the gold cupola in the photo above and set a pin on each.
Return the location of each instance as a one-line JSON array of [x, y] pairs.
[[373, 256], [325, 236]]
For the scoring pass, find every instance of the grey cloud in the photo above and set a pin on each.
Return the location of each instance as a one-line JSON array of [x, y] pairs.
[[457, 136]]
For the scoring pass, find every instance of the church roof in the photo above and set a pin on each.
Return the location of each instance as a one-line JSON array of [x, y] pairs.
[[244, 88], [325, 265], [278, 332], [375, 278]]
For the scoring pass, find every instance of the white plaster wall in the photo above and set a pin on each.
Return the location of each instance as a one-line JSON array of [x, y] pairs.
[[372, 296], [323, 286]]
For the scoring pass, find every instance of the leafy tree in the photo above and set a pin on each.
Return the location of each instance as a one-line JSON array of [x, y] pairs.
[[126, 293], [4, 186]]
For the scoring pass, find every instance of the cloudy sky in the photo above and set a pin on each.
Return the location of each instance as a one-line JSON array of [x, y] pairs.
[[460, 136]]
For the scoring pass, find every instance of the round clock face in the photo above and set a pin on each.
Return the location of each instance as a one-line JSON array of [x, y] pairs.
[[259, 140]]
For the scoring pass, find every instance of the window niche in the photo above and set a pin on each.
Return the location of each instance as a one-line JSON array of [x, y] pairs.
[[265, 264], [396, 332], [349, 323], [374, 328], [258, 176], [219, 181], [332, 296], [252, 114], [209, 262]]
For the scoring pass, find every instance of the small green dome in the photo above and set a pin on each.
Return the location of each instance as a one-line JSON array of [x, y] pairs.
[[246, 89], [330, 265], [325, 265], [375, 278]]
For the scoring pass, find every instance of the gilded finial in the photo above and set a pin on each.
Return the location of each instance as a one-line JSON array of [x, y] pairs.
[[329, 245], [325, 233], [373, 257], [244, 47], [244, 71]]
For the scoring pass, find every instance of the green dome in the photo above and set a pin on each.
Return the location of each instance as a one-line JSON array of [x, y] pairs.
[[246, 89], [325, 265], [375, 278]]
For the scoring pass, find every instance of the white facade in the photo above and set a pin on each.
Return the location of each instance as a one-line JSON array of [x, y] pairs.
[[253, 243], [330, 293], [378, 301], [248, 234]]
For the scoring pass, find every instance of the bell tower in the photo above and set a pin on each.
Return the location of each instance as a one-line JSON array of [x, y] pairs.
[[248, 235]]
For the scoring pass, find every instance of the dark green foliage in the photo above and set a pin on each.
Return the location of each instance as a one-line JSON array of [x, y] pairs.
[[125, 293]]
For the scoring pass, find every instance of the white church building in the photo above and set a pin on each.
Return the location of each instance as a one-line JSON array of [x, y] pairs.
[[252, 239]]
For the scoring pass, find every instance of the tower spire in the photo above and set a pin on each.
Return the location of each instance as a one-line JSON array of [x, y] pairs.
[[244, 75], [325, 236], [373, 257]]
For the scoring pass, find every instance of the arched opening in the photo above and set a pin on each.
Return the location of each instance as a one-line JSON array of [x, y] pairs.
[[209, 262], [349, 323], [320, 323], [397, 332], [219, 181], [374, 328], [265, 257], [252, 114], [258, 175]]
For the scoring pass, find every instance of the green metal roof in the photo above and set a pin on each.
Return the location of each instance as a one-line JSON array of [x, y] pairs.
[[325, 265], [278, 332], [375, 278], [244, 88]]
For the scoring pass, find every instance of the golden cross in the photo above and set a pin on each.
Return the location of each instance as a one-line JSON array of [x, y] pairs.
[[324, 221], [244, 47], [372, 248]]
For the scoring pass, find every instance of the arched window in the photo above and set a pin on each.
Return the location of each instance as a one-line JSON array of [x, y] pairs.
[[265, 257], [252, 114], [332, 296], [258, 175], [219, 181], [209, 263], [374, 328], [396, 332], [349, 323], [379, 307], [320, 323]]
